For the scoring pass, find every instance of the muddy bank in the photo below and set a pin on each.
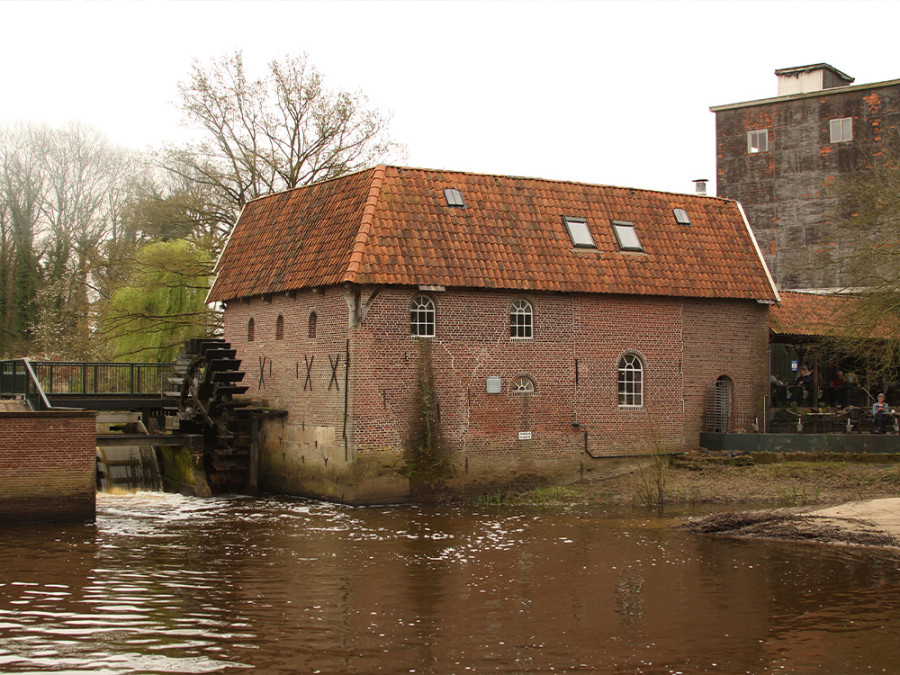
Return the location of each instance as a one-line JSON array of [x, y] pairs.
[[795, 479], [873, 522]]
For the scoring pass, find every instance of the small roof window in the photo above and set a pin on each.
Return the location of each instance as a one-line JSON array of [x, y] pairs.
[[626, 236], [579, 232], [454, 198], [681, 217]]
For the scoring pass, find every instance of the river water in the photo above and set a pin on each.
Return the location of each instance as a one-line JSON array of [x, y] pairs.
[[169, 584]]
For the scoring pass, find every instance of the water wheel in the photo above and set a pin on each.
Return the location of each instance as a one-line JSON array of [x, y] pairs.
[[207, 378]]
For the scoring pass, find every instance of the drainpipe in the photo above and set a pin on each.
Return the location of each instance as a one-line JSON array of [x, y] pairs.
[[346, 396]]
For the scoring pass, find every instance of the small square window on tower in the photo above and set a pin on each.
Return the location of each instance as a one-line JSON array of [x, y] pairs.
[[758, 141], [626, 236], [842, 130], [454, 198], [579, 232]]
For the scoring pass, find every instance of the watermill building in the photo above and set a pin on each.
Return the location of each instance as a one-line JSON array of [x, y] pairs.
[[557, 324]]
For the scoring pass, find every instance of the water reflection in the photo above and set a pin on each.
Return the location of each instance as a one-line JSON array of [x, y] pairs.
[[165, 583]]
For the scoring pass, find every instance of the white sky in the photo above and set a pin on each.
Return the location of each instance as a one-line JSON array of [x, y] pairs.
[[601, 92]]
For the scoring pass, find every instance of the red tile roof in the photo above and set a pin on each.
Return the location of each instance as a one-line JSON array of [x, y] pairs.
[[392, 225], [819, 315]]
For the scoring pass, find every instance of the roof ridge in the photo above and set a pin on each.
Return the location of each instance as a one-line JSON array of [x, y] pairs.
[[554, 181], [365, 226], [322, 181]]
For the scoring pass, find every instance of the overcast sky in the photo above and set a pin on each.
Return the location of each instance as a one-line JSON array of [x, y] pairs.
[[602, 92]]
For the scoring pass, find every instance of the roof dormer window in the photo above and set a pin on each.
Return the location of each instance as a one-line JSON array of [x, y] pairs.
[[579, 232], [626, 236], [681, 217], [454, 198]]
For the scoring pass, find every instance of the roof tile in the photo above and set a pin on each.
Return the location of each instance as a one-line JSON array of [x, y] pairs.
[[389, 225]]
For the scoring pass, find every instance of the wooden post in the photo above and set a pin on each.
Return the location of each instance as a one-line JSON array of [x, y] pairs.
[[253, 473]]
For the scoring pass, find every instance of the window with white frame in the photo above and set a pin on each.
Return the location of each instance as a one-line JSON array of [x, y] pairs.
[[521, 320], [842, 130], [758, 141], [522, 385], [631, 382], [421, 316], [579, 232]]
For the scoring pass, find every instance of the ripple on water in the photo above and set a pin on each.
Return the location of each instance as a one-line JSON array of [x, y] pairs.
[[166, 583]]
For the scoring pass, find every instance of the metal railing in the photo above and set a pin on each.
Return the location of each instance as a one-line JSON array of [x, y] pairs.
[[736, 423], [17, 378], [22, 377]]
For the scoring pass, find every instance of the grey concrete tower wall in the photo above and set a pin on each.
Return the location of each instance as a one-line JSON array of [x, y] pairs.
[[784, 188]]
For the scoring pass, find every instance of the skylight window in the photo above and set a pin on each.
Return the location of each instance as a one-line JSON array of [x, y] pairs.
[[579, 232], [681, 217], [626, 236], [454, 198]]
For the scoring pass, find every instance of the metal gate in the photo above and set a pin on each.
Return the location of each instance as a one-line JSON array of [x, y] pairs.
[[723, 405]]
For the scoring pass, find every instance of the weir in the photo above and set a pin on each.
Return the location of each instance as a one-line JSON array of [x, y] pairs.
[[126, 460]]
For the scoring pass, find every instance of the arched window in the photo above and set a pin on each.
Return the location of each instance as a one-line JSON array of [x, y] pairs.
[[251, 330], [313, 320], [631, 382], [520, 319], [421, 316], [522, 385], [279, 328]]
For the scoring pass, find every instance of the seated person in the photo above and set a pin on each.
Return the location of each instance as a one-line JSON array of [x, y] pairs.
[[882, 413], [802, 384], [839, 389]]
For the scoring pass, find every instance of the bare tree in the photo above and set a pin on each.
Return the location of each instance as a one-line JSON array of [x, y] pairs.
[[866, 257], [61, 196], [269, 134], [86, 179], [22, 190]]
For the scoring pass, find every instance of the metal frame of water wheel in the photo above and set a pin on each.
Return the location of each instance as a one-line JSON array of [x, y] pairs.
[[208, 377]]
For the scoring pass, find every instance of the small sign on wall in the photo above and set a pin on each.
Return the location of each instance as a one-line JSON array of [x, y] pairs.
[[524, 435], [494, 385]]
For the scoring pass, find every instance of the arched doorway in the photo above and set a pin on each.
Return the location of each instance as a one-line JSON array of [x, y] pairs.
[[722, 418]]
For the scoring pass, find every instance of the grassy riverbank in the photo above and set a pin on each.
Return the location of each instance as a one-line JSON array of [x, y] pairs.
[[781, 480]]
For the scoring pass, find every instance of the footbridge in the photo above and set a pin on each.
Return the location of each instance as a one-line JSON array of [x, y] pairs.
[[187, 404], [47, 385]]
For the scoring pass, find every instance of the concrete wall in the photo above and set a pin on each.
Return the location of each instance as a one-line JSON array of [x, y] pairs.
[[784, 190], [572, 359], [814, 443], [47, 466]]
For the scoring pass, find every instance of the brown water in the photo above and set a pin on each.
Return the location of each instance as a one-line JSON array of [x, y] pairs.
[[167, 584]]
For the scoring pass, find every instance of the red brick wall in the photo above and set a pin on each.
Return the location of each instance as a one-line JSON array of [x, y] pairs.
[[47, 466], [727, 338], [684, 347], [276, 369], [310, 442], [473, 343]]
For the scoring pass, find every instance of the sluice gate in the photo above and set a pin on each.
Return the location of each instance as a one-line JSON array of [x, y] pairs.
[[183, 415]]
